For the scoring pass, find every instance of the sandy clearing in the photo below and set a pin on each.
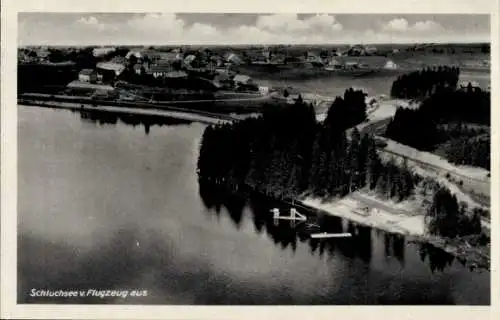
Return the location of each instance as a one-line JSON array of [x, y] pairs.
[[380, 216]]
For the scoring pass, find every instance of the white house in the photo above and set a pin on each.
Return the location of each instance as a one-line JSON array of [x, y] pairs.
[[138, 69], [233, 58], [189, 59], [390, 65], [242, 79], [351, 65], [137, 54], [264, 90], [333, 63], [160, 70], [87, 75], [117, 68]]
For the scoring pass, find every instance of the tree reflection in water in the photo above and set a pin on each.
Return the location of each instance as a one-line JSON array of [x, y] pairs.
[[112, 118], [286, 235], [394, 247], [438, 260]]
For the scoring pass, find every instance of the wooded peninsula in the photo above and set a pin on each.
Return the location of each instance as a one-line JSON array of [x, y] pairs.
[[286, 154]]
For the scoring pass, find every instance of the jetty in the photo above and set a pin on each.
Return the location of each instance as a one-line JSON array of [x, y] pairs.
[[294, 215], [325, 235]]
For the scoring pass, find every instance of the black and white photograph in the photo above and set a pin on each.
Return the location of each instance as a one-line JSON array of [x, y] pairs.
[[253, 159]]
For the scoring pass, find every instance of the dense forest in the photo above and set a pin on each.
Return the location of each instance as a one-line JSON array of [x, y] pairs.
[[285, 153], [44, 78], [466, 151], [424, 83], [457, 119], [83, 58], [471, 105], [449, 218]]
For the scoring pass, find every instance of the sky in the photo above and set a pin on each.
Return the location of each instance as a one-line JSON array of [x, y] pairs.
[[241, 28]]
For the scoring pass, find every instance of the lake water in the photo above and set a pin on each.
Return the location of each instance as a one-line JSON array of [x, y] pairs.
[[372, 85], [107, 203]]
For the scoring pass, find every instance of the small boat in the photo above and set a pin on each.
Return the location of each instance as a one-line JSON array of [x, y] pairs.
[[326, 235]]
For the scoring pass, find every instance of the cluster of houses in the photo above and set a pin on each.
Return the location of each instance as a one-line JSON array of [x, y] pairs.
[[276, 56], [161, 64], [119, 63], [171, 65]]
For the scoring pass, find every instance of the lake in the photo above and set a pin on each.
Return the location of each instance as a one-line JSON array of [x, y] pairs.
[[110, 203], [373, 85]]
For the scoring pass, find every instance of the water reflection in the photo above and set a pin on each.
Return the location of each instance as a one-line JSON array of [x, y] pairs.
[[94, 181], [112, 118], [286, 234], [394, 246], [437, 259], [116, 261]]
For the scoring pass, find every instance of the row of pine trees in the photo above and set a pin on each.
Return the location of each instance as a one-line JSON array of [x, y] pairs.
[[425, 82]]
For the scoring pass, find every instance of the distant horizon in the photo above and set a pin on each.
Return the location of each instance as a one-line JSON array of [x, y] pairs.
[[257, 44], [205, 29]]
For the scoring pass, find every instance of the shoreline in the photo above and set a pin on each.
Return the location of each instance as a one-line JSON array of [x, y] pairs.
[[162, 113], [350, 209], [402, 223]]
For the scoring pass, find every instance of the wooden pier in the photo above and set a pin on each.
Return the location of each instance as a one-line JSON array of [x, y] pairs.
[[294, 215], [326, 235]]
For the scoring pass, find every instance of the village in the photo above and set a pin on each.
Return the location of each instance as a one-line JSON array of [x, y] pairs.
[[170, 74]]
